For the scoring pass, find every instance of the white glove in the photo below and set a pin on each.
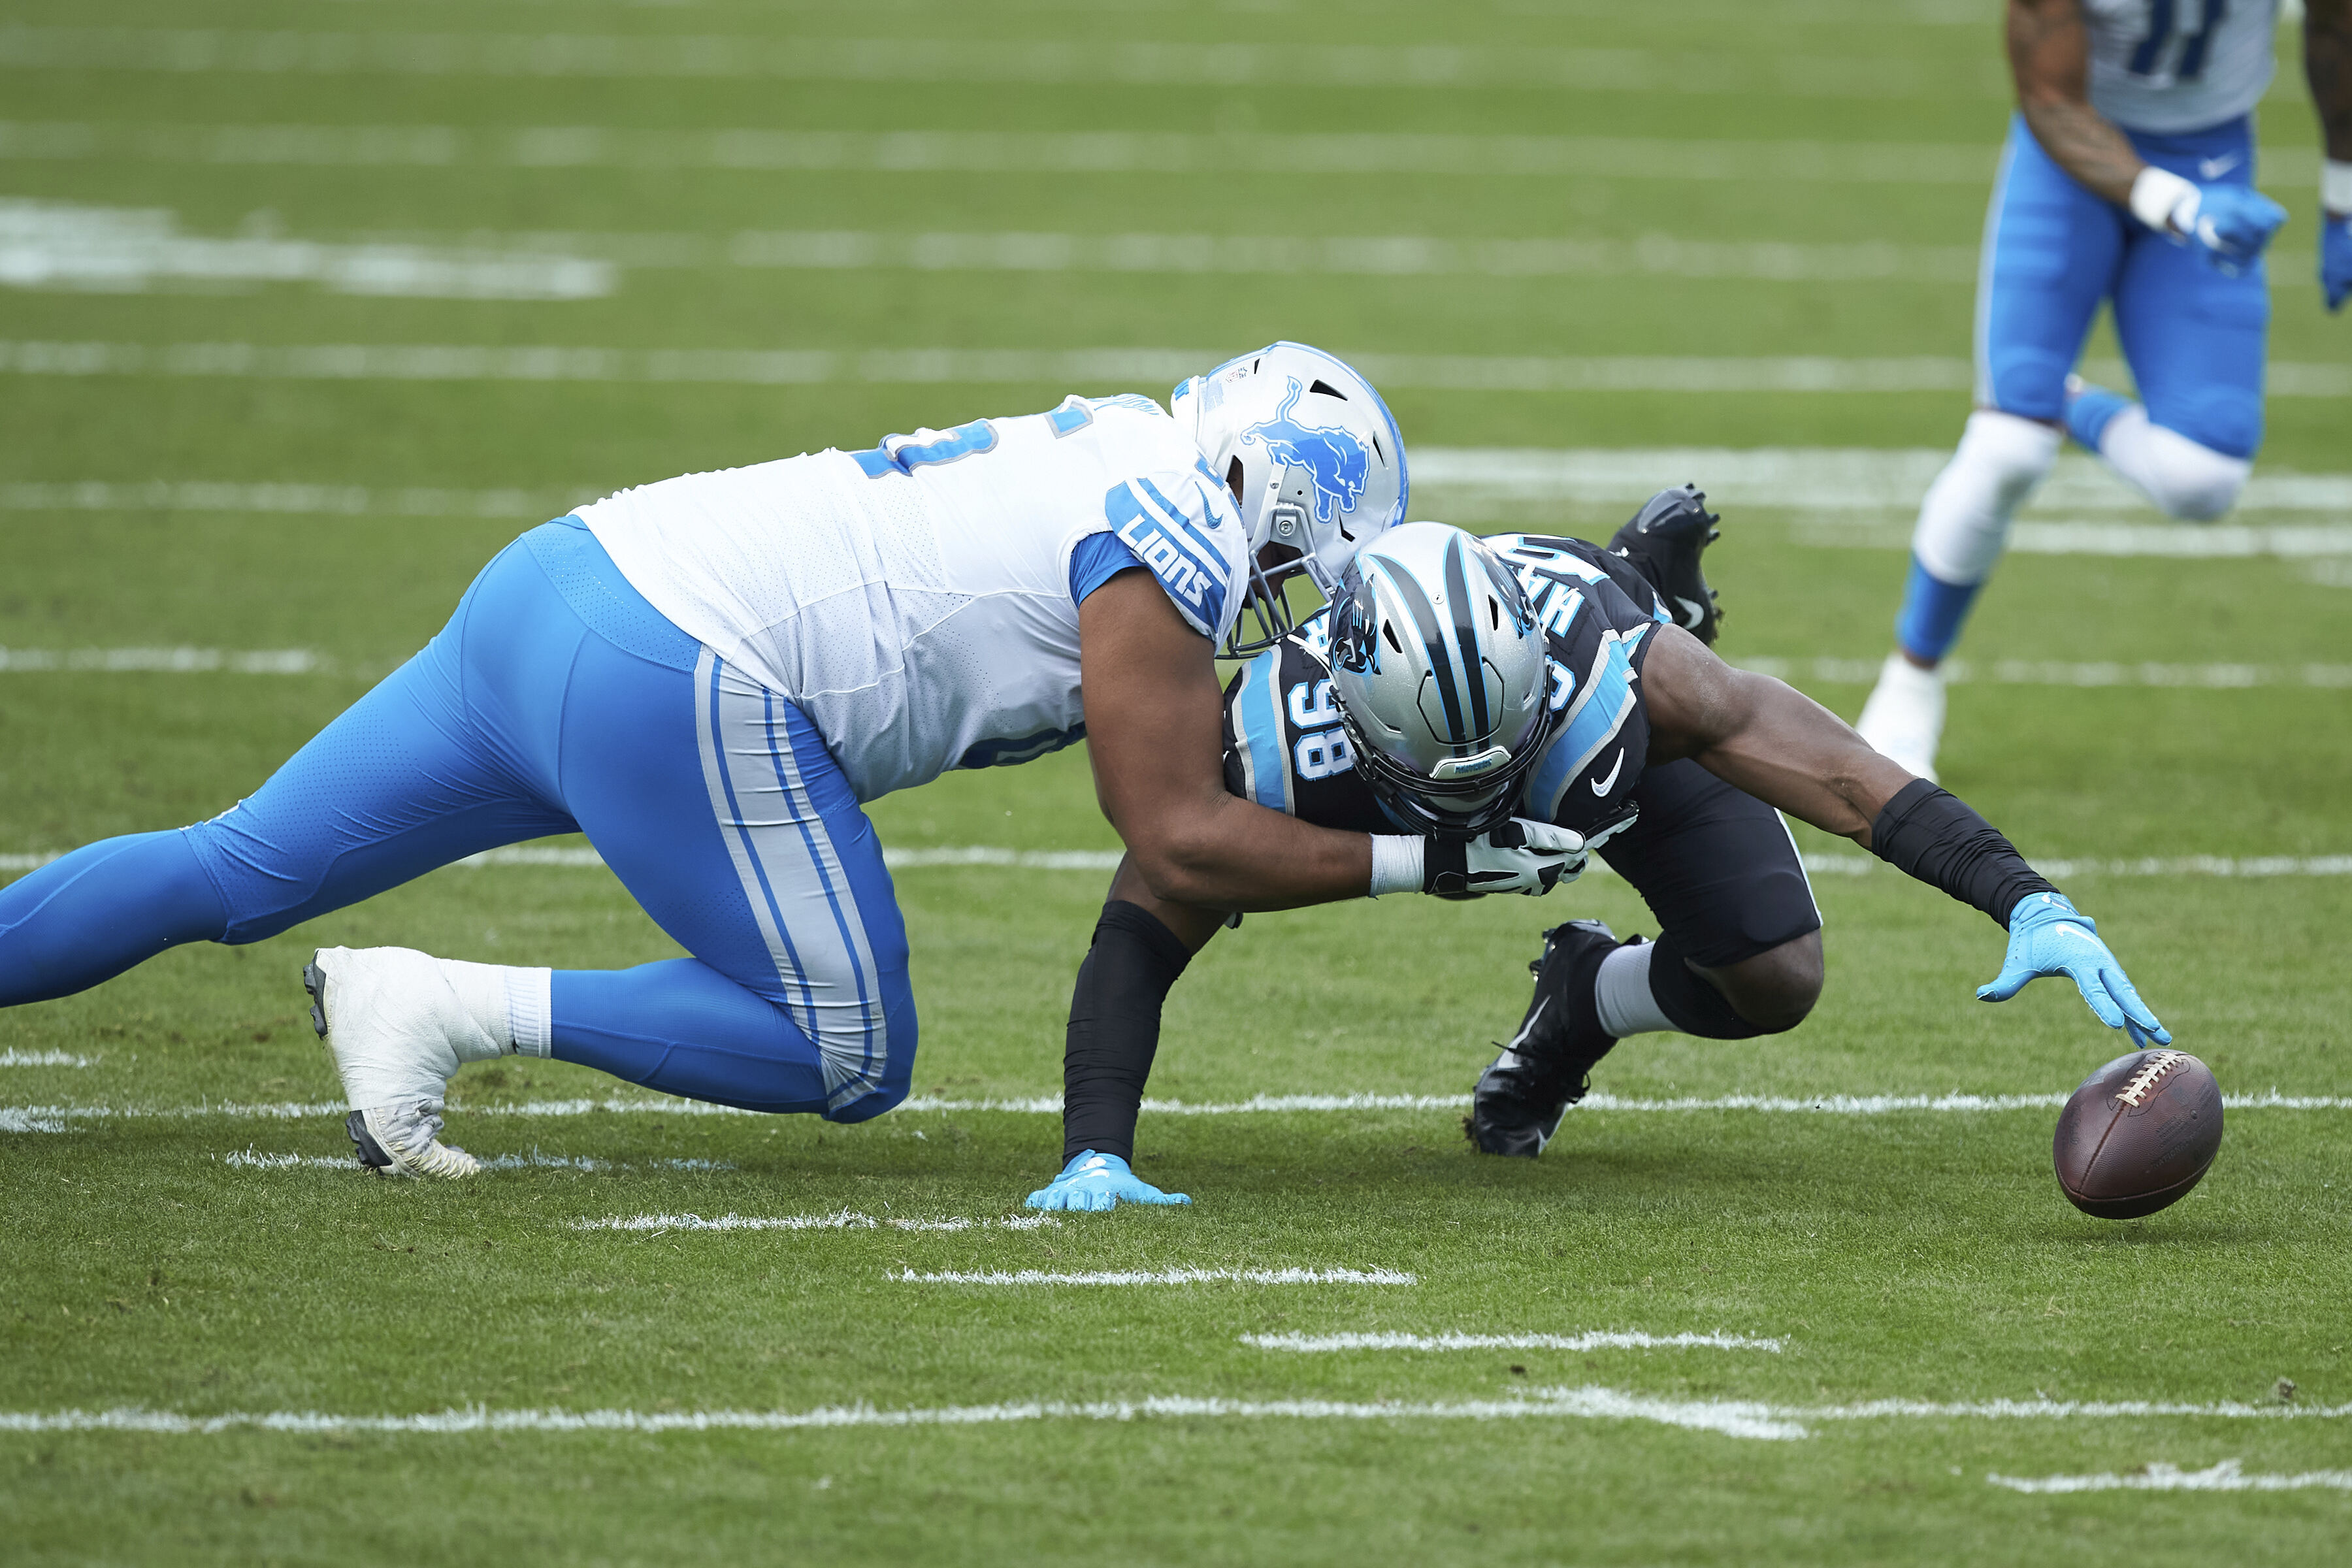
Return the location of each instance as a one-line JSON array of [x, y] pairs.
[[1520, 857]]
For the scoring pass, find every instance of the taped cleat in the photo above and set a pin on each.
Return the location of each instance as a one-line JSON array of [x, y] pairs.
[[392, 1021], [1547, 1067]]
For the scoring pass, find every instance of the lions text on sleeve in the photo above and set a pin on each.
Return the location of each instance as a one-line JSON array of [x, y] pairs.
[[1284, 748]]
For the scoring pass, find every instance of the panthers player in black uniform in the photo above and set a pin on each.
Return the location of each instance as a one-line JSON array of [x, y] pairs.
[[1637, 767]]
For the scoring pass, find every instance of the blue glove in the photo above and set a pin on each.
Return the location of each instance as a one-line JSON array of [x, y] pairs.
[[2336, 258], [2234, 223], [2047, 936], [1092, 1180]]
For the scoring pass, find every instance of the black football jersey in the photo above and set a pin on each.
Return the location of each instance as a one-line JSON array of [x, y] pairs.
[[1284, 748]]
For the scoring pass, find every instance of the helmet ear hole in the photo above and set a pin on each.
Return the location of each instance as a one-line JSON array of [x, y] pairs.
[[1388, 630], [1495, 615], [1233, 478]]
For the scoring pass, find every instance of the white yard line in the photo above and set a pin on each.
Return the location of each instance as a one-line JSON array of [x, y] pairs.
[[2229, 1476], [60, 1118], [1732, 1418], [1024, 62], [161, 660], [16, 1059], [515, 505], [1592, 1340], [1103, 368], [843, 1219], [1837, 479], [250, 1159], [1164, 1276]]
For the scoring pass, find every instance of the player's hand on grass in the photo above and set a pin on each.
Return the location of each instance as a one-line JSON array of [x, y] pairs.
[[2336, 258], [1519, 856], [2047, 936], [1092, 1180]]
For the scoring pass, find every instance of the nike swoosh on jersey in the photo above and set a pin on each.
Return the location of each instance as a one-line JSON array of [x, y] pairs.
[[2214, 168], [1693, 610], [1602, 786]]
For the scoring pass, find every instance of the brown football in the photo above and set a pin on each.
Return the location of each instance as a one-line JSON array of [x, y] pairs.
[[2138, 1134]]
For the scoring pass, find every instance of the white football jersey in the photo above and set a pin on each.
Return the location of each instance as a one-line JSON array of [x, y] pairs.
[[2179, 65], [914, 599]]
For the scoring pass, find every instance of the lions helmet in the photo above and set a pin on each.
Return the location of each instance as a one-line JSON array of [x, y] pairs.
[[1441, 675], [1322, 466]]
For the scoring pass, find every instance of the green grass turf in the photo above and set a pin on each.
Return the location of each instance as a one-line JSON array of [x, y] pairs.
[[1921, 1256]]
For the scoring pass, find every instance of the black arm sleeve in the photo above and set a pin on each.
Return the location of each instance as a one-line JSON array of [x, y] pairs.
[[1931, 833], [1115, 1029]]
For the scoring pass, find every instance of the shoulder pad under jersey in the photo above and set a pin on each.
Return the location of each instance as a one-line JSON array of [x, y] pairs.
[[1184, 528]]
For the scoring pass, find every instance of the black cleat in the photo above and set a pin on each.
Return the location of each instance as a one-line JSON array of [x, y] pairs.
[[372, 1159], [1665, 540], [1547, 1066], [314, 980]]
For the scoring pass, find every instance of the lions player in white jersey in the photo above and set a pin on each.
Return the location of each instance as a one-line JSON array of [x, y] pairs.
[[711, 675], [2127, 178]]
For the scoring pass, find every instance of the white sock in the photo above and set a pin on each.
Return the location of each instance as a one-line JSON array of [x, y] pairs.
[[510, 1004], [1964, 517], [2183, 478], [1627, 1005]]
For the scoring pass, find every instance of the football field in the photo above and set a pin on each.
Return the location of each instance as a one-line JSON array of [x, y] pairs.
[[308, 306]]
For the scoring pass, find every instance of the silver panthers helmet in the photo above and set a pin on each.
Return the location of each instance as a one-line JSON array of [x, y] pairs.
[[1441, 675], [1322, 466]]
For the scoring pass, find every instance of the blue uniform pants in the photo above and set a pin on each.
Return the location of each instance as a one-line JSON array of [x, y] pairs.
[[555, 701], [2193, 335]]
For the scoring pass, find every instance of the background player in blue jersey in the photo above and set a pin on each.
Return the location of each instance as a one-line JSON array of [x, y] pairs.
[[2128, 177], [1458, 684], [710, 676]]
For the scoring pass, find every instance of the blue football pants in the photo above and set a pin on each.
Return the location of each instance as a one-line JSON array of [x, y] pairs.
[[2194, 336], [555, 701]]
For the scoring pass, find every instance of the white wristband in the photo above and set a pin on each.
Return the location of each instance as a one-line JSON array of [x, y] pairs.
[[2336, 187], [2164, 201], [1396, 863]]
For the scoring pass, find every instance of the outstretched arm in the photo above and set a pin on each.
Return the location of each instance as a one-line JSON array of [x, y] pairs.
[[1789, 752]]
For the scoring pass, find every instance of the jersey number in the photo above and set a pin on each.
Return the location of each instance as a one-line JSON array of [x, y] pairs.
[[2162, 16], [901, 455]]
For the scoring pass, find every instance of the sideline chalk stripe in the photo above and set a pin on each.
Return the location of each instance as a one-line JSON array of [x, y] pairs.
[[1597, 1339], [1164, 1277], [843, 1219], [1107, 367], [2229, 1476], [1028, 62], [1731, 1418], [59, 1118]]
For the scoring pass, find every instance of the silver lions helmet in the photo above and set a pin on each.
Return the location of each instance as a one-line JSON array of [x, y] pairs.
[[1321, 463], [1440, 672]]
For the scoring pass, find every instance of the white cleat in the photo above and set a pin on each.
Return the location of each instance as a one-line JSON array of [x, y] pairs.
[[1903, 719], [391, 1017]]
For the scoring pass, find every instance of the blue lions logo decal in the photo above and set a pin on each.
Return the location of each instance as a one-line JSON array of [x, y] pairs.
[[1339, 462]]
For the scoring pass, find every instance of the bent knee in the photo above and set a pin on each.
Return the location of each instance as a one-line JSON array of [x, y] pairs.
[[1777, 989], [866, 1107]]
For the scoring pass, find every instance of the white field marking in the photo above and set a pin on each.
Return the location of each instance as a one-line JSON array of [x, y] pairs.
[[1731, 1418], [2194, 542], [16, 1059], [1026, 62], [1834, 479], [166, 660], [2229, 1476], [843, 1219], [1032, 152], [59, 1117], [1059, 367], [1164, 1277], [287, 500], [1593, 1340], [250, 1159], [1587, 1403], [2051, 672], [134, 250]]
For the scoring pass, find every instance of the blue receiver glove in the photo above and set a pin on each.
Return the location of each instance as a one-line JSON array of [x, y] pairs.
[[2336, 258], [1092, 1180], [2046, 936], [2234, 224]]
